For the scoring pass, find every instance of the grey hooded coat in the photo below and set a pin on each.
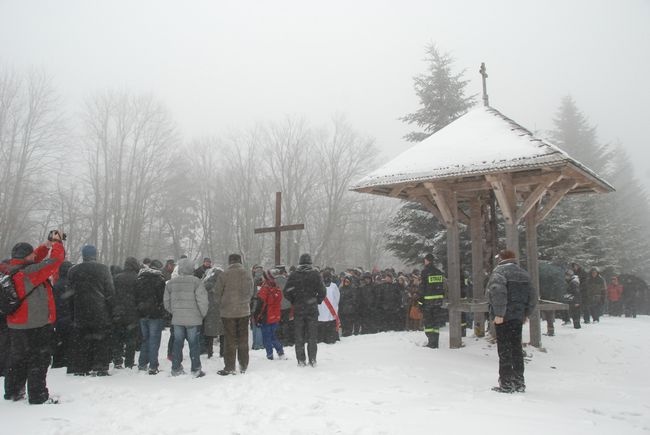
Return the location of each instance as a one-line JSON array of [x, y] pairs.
[[185, 297]]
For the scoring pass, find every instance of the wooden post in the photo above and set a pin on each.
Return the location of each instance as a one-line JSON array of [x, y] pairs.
[[453, 274], [478, 271], [533, 270]]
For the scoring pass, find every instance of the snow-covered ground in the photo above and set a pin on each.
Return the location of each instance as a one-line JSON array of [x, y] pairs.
[[589, 381]]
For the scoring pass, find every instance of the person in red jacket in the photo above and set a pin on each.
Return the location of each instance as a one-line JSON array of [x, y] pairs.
[[31, 325], [614, 293], [267, 314]]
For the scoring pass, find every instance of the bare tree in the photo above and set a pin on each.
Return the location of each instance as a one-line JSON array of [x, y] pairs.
[[129, 141], [343, 155], [293, 167], [30, 129]]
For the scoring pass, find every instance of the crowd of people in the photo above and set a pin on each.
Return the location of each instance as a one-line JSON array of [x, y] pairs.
[[88, 316]]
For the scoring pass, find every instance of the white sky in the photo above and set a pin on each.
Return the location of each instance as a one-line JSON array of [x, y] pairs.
[[219, 65]]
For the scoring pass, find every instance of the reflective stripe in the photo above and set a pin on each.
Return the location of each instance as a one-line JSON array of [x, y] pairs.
[[432, 279], [435, 330], [428, 298]]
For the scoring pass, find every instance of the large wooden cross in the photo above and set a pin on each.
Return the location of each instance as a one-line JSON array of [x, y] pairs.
[[278, 228]]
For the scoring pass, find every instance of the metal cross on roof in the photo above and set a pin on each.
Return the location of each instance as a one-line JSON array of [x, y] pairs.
[[484, 75]]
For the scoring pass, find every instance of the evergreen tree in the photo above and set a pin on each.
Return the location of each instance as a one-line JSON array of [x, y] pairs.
[[627, 213], [607, 231], [414, 230], [573, 231], [441, 93], [574, 135]]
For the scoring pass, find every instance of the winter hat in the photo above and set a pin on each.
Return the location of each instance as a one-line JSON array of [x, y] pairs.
[[305, 259], [21, 250], [89, 252], [234, 258], [156, 264]]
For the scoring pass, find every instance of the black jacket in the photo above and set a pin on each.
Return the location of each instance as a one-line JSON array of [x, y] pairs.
[[93, 292], [348, 300], [510, 294], [63, 297], [305, 290], [149, 293], [124, 307]]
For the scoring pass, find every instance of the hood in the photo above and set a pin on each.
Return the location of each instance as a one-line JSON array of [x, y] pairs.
[[185, 266], [131, 264], [304, 268]]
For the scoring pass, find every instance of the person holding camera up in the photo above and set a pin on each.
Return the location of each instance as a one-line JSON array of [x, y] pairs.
[[31, 325]]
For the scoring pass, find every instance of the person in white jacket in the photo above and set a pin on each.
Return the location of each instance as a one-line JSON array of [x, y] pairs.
[[328, 311], [187, 301]]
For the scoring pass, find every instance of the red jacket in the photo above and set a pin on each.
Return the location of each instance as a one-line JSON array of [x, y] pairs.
[[271, 297], [614, 292], [31, 313]]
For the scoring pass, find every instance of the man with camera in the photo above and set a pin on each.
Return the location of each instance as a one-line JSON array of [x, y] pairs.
[[31, 325]]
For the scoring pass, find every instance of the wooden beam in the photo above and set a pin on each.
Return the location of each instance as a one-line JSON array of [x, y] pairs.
[[426, 202], [504, 193], [395, 191], [535, 196], [441, 201], [555, 198]]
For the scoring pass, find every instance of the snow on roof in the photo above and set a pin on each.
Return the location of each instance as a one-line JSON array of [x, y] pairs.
[[481, 141]]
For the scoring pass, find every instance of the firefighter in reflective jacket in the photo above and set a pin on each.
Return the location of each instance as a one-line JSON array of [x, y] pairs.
[[432, 294]]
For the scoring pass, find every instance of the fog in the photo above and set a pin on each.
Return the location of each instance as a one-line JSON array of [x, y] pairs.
[[221, 65]]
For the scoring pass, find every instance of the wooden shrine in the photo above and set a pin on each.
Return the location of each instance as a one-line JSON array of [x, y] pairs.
[[454, 174]]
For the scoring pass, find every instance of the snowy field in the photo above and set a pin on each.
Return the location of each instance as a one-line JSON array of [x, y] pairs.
[[589, 381]]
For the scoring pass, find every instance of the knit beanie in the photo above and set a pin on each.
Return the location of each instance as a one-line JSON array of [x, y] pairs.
[[21, 250], [89, 252]]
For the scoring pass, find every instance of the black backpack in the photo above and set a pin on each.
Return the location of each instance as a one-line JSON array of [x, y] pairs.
[[9, 300]]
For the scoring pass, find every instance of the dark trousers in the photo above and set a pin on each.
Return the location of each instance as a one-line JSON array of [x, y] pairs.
[[368, 324], [348, 324], [511, 354], [432, 317], [286, 329], [306, 332], [62, 346], [586, 308], [327, 332], [92, 349], [574, 313], [235, 342], [207, 345], [4, 347], [123, 344], [596, 310], [31, 350]]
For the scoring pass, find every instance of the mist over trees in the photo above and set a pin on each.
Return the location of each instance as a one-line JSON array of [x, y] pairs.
[[131, 186], [116, 172]]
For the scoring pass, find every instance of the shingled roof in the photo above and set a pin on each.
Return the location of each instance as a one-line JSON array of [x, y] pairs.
[[481, 142]]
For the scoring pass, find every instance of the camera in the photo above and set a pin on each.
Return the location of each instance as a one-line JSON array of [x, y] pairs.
[[61, 235]]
